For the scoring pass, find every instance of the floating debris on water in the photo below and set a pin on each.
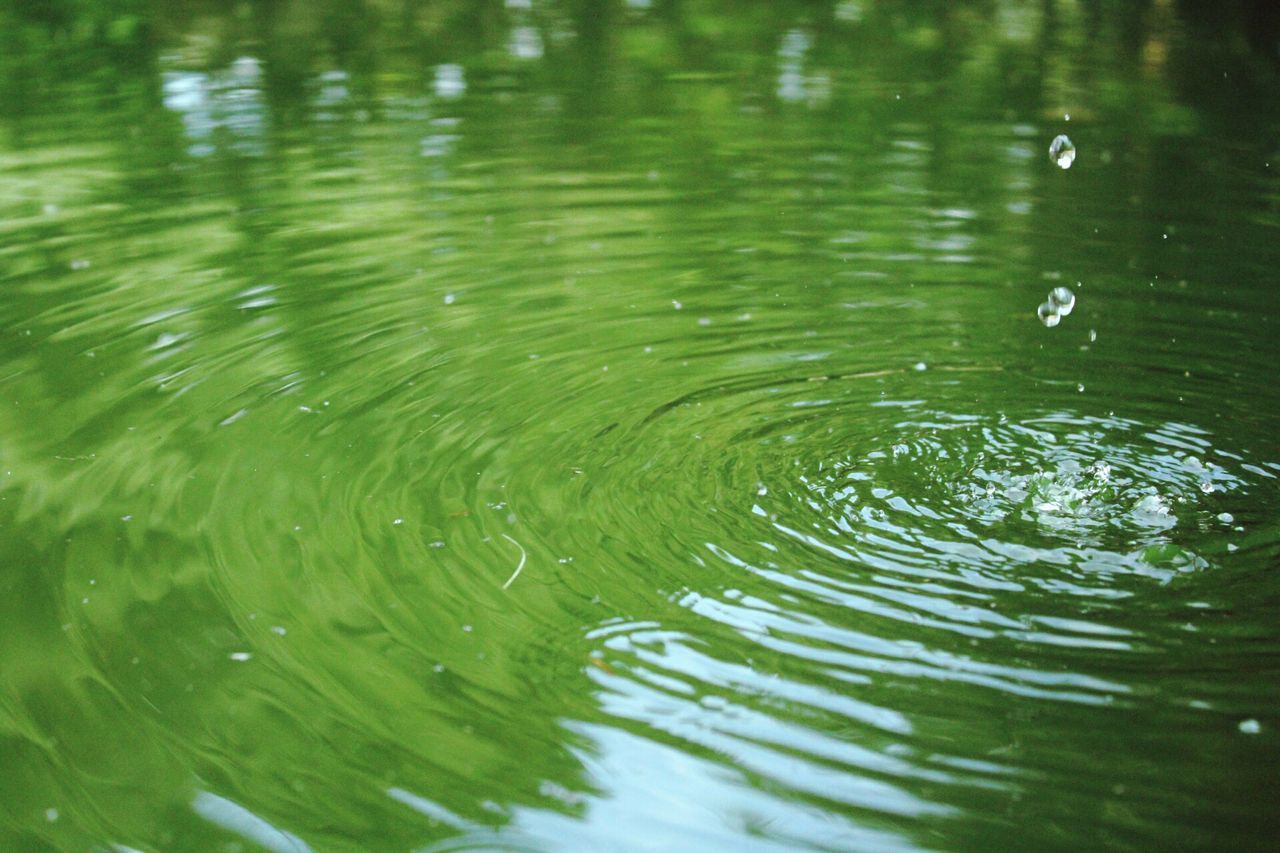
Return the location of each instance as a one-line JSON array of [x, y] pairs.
[[1062, 151], [1060, 303]]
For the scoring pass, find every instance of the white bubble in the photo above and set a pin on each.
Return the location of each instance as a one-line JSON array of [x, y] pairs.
[[1250, 726], [1226, 517], [240, 656]]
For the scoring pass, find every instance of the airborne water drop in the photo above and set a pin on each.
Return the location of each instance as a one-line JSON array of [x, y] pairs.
[[1063, 300], [1062, 152], [1048, 314]]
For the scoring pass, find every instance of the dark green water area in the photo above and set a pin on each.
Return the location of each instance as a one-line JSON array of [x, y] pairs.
[[627, 425]]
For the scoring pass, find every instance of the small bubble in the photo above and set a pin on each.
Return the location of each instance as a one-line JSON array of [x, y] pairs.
[[449, 298], [240, 656], [1226, 517], [466, 629], [1063, 300], [1080, 388], [920, 365], [438, 668], [1062, 152], [80, 264], [278, 630], [762, 489], [676, 304], [398, 521], [1250, 726], [1206, 487], [1093, 335], [1048, 315], [51, 815]]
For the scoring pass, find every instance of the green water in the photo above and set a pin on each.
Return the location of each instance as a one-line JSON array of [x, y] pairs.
[[614, 427]]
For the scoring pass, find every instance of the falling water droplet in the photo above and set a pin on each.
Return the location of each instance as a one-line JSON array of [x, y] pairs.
[[1063, 300], [1062, 152], [1048, 315]]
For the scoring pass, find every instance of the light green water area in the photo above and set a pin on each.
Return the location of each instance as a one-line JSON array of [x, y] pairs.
[[547, 426]]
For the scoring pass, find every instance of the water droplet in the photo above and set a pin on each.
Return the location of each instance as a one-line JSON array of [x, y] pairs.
[[448, 299], [1206, 487], [240, 656], [1250, 726], [51, 815], [1226, 517], [1062, 152], [1048, 315], [920, 365], [1063, 300]]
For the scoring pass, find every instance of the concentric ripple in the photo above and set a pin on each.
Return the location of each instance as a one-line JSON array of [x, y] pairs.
[[1106, 493], [657, 456]]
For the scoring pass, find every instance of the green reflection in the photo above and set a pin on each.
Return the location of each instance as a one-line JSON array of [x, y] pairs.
[[725, 317]]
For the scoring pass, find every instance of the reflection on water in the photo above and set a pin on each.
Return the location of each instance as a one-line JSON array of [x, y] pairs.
[[522, 425]]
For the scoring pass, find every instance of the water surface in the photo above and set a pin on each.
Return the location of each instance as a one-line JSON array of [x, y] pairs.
[[532, 430]]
